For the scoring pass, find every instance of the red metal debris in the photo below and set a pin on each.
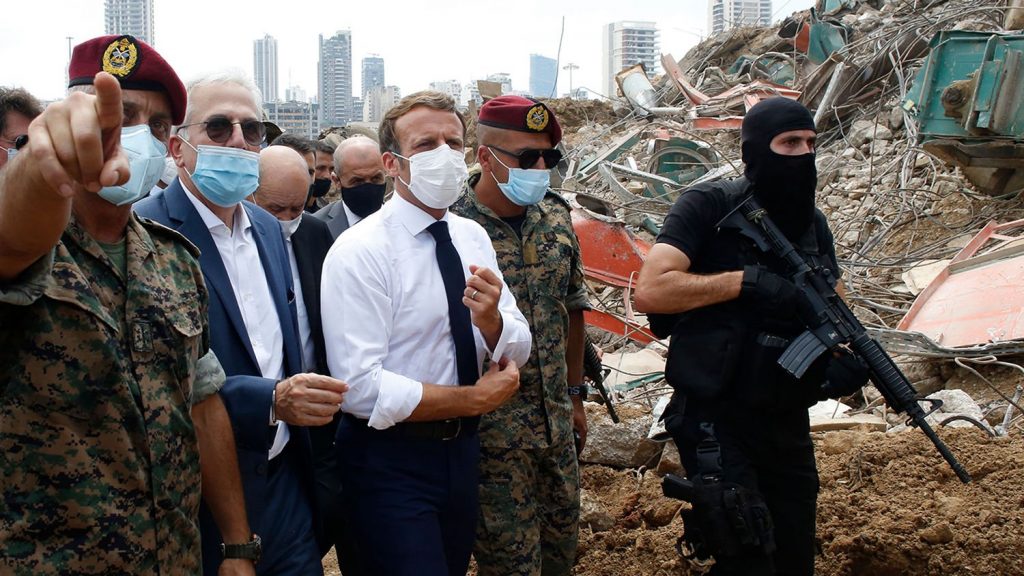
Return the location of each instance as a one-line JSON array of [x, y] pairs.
[[977, 298]]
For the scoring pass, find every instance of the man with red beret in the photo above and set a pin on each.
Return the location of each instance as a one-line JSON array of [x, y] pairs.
[[529, 478], [108, 391]]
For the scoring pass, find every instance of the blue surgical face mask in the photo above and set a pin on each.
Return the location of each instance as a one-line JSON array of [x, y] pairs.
[[225, 176], [524, 187], [145, 163]]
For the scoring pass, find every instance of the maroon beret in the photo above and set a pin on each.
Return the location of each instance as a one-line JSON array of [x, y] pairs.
[[135, 64], [521, 114]]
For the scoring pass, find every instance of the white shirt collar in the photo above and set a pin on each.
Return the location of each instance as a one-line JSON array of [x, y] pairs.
[[411, 216], [351, 216], [240, 221]]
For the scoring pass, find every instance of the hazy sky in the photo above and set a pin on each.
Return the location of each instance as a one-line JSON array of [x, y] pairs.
[[420, 42]]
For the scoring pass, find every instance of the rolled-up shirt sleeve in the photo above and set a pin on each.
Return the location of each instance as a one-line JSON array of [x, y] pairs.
[[357, 324]]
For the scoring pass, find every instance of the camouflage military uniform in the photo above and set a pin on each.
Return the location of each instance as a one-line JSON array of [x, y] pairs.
[[100, 466], [529, 478]]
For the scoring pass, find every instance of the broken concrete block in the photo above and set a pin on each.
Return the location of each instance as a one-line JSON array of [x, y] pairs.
[[955, 403], [593, 514], [670, 462], [622, 445], [864, 131], [921, 275], [1014, 15]]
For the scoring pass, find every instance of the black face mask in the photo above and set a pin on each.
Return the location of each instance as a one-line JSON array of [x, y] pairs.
[[364, 199], [784, 186], [319, 187]]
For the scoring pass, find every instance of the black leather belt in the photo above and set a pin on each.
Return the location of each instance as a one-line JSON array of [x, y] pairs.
[[433, 430]]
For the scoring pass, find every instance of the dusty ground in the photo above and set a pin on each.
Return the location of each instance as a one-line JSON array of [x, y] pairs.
[[888, 506]]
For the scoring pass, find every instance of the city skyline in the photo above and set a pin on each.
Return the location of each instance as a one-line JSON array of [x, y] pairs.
[[466, 42]]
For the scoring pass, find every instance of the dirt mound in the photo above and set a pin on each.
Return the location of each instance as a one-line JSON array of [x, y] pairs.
[[888, 506]]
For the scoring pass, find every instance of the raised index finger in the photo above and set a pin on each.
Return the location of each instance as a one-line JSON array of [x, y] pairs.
[[109, 112]]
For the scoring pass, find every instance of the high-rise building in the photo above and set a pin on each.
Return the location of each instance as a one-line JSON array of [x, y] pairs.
[[470, 93], [378, 101], [626, 44], [132, 17], [295, 94], [543, 75], [452, 88], [335, 79], [726, 14], [264, 66], [373, 73], [299, 118]]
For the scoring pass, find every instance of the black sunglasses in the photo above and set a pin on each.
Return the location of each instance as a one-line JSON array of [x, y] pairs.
[[528, 158], [219, 129], [19, 141]]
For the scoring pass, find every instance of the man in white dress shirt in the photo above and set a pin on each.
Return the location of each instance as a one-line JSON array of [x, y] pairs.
[[416, 305]]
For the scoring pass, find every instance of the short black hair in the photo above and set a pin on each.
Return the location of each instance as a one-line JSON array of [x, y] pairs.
[[17, 100], [325, 147], [301, 145]]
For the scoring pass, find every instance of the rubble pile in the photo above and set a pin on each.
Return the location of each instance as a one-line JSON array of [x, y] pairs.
[[900, 211]]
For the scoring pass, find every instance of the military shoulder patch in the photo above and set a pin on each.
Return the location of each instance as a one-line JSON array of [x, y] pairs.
[[121, 57]]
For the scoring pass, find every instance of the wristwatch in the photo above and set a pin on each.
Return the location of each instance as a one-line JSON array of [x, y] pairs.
[[580, 390], [251, 550]]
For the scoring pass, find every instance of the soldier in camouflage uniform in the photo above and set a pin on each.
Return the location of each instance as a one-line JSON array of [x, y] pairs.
[[529, 477], [107, 385]]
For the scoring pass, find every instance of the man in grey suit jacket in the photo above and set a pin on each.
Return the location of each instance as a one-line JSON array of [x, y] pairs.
[[359, 173]]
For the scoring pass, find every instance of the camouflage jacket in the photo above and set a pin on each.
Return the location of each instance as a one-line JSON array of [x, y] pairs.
[[100, 466], [545, 274]]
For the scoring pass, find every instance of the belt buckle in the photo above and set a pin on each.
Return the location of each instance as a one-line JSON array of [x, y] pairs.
[[458, 429]]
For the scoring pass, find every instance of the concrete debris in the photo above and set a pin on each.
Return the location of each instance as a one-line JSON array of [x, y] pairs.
[[593, 513], [623, 445], [900, 207]]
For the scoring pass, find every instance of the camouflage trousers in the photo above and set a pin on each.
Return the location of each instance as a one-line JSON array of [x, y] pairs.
[[529, 511]]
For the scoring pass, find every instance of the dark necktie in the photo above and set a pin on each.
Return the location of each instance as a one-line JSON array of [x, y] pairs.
[[458, 315]]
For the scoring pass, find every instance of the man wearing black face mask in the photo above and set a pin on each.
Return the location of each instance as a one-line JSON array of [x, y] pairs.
[[359, 173], [740, 421], [321, 185]]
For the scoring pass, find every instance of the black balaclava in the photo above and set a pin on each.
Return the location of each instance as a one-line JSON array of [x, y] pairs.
[[784, 185]]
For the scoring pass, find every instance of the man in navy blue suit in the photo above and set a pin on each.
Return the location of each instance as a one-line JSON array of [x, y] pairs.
[[253, 324]]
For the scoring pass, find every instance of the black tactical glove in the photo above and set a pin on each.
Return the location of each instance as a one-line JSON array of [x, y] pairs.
[[773, 294], [844, 375]]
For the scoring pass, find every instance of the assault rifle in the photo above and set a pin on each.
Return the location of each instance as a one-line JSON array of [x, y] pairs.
[[832, 324]]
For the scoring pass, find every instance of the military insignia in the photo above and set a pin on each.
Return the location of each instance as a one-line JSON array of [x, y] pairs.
[[537, 118], [142, 337], [121, 57]]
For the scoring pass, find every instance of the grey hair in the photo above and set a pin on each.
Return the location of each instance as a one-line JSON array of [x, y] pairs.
[[227, 76]]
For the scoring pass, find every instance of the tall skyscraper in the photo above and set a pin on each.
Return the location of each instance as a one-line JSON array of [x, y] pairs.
[[543, 75], [726, 14], [626, 44], [373, 73], [335, 79], [264, 66], [133, 17]]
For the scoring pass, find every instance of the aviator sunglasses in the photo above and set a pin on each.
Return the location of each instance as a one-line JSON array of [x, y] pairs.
[[19, 141], [219, 129], [527, 158]]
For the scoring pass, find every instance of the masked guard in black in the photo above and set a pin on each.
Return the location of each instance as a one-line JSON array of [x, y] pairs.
[[739, 420]]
